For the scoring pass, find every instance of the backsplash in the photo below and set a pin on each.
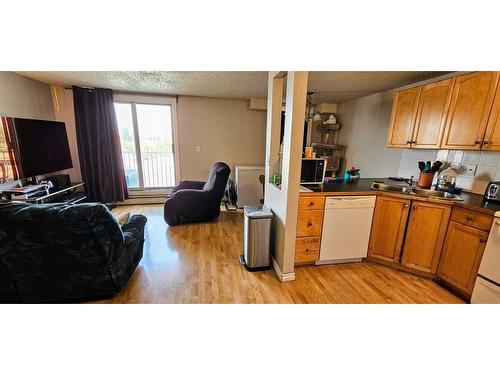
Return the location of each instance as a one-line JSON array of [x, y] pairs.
[[487, 166]]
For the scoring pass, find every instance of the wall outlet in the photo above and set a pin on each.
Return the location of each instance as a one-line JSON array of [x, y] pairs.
[[198, 148], [466, 169]]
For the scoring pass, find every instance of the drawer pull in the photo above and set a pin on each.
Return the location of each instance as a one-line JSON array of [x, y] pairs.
[[311, 203], [482, 240], [469, 218], [307, 250], [309, 224]]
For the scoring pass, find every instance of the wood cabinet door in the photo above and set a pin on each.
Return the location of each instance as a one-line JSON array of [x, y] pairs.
[[431, 114], [425, 236], [470, 107], [462, 254], [492, 137], [404, 111], [388, 228]]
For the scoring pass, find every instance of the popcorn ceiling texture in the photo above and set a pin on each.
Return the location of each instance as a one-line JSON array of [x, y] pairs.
[[329, 87]]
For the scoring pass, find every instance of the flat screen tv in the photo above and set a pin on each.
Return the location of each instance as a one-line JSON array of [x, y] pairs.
[[29, 148]]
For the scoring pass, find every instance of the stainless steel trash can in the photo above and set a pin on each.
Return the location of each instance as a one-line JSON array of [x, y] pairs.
[[256, 236]]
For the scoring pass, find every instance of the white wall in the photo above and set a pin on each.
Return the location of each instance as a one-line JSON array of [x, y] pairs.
[[284, 202], [24, 97], [224, 129], [365, 124], [64, 111]]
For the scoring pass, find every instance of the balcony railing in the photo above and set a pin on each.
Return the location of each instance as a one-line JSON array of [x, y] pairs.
[[157, 169]]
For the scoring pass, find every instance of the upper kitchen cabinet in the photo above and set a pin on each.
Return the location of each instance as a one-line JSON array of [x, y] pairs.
[[492, 137], [404, 112], [431, 114], [470, 108]]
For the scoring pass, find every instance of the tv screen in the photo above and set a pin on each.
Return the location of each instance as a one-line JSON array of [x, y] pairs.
[[31, 148]]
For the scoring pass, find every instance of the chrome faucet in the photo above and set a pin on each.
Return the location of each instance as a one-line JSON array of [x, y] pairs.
[[410, 181]]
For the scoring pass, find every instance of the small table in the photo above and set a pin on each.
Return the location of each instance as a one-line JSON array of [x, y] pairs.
[[73, 193]]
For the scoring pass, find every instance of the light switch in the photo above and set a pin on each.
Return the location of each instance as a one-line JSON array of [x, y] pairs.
[[198, 148]]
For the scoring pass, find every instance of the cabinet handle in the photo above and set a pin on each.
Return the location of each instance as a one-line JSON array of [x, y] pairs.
[[311, 203], [484, 142], [469, 218], [406, 205], [478, 142], [309, 224], [482, 240], [414, 207], [307, 250]]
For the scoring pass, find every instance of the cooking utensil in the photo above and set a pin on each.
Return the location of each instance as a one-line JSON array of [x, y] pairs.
[[427, 166], [435, 167], [421, 166]]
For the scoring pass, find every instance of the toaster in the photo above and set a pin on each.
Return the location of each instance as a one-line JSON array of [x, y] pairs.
[[492, 192]]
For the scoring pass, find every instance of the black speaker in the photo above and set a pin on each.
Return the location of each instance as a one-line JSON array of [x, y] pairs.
[[60, 181]]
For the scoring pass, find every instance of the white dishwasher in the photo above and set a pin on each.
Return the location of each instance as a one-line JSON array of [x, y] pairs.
[[346, 229]]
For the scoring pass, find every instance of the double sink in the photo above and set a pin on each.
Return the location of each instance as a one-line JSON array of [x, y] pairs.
[[402, 189]]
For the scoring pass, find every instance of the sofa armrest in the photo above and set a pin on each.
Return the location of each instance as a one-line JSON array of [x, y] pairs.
[[134, 227]]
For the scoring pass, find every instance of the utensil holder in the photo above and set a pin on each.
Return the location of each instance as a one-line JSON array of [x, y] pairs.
[[425, 180]]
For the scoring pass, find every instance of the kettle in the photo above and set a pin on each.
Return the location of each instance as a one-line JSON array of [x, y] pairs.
[[447, 180]]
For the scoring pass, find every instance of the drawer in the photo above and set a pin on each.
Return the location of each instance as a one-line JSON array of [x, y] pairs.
[[311, 203], [472, 218], [309, 223], [307, 250]]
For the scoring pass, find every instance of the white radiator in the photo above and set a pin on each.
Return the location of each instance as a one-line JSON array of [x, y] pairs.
[[248, 187]]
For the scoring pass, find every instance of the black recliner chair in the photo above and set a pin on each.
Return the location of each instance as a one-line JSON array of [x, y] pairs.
[[194, 201]]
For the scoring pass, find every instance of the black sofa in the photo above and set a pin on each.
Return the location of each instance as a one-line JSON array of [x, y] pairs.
[[63, 252], [194, 201]]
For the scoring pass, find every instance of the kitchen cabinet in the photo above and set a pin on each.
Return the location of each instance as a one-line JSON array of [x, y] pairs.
[[307, 250], [388, 228], [492, 136], [470, 107], [309, 226], [432, 110], [425, 236], [462, 254], [404, 112]]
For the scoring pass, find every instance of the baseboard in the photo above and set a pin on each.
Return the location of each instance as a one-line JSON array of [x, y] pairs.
[[283, 277]]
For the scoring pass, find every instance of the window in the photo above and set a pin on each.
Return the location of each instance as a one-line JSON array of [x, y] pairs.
[[146, 126]]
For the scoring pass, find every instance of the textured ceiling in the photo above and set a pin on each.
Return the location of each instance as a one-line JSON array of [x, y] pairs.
[[334, 87], [338, 87]]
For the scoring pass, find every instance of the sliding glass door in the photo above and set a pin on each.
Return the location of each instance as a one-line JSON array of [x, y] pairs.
[[147, 141]]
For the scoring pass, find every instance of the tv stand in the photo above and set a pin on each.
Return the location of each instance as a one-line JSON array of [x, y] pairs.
[[73, 193]]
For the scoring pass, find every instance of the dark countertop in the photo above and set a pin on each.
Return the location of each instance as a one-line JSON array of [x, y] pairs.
[[364, 184]]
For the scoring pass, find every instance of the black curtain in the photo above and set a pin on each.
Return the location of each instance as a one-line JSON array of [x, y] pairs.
[[99, 145]]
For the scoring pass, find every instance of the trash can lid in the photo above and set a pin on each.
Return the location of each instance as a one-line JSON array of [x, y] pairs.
[[257, 212]]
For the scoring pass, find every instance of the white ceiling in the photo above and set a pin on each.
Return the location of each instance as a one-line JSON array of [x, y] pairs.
[[333, 87]]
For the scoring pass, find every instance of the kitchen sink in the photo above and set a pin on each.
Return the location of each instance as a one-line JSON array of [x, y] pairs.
[[436, 194], [391, 188]]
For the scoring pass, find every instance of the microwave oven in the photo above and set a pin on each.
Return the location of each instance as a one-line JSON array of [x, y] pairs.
[[312, 171]]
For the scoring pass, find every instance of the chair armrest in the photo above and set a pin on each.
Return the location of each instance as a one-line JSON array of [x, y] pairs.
[[195, 185], [134, 227]]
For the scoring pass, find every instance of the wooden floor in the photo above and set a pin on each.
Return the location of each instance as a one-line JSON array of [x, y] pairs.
[[198, 263]]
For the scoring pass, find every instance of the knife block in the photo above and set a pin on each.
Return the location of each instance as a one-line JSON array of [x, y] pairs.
[[425, 180]]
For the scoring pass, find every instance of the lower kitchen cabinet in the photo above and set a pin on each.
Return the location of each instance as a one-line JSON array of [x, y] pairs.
[[307, 250], [462, 254], [388, 228], [425, 236]]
